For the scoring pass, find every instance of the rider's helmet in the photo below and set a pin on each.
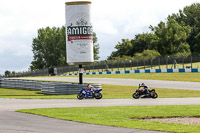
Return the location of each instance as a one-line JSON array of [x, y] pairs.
[[142, 84], [89, 86]]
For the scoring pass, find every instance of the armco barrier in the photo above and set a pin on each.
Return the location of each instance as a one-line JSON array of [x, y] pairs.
[[55, 88], [141, 71], [21, 84], [59, 88]]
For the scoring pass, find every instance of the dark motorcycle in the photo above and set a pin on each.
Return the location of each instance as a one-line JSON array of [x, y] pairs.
[[144, 93], [87, 93]]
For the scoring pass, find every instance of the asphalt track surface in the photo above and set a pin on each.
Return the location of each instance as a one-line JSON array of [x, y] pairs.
[[132, 82], [15, 122]]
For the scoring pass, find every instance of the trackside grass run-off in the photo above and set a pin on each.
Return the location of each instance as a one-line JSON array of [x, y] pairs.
[[127, 116], [109, 92], [191, 77]]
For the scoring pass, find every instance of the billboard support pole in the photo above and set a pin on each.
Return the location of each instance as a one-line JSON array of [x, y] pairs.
[[79, 35], [80, 75]]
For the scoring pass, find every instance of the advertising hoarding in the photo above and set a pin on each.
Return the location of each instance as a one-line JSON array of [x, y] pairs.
[[79, 33]]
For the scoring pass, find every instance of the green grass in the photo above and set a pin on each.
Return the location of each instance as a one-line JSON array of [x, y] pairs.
[[118, 91], [126, 116], [109, 92], [192, 77], [26, 94]]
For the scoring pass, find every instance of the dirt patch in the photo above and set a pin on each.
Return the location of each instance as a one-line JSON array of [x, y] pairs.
[[181, 120]]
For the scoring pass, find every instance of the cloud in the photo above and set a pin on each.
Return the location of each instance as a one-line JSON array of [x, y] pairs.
[[17, 44], [14, 63], [105, 26]]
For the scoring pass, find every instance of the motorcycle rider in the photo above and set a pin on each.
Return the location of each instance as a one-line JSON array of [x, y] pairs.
[[91, 88], [145, 89]]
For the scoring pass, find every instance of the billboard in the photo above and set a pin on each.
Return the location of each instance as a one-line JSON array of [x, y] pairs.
[[79, 33]]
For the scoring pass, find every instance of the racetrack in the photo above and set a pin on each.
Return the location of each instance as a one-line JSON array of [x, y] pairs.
[[15, 122], [131, 82], [15, 104]]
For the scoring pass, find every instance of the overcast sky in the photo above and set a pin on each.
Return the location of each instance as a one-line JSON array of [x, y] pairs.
[[112, 21]]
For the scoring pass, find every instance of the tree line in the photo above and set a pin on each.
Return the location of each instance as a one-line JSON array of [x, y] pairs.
[[178, 36]]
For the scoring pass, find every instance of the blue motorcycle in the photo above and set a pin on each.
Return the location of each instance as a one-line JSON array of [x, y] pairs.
[[87, 93]]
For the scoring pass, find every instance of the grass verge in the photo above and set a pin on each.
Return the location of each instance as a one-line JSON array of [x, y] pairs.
[[118, 91], [192, 77], [123, 116], [26, 94], [109, 92]]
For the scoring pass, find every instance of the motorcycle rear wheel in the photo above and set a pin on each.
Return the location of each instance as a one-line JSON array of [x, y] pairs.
[[136, 96]]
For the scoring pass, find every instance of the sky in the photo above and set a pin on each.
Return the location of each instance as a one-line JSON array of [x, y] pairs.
[[112, 21]]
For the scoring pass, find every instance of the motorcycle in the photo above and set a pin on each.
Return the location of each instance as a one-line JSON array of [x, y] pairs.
[[87, 93], [150, 93]]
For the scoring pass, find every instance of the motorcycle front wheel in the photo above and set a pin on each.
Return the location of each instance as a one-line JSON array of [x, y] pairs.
[[155, 95], [136, 95], [99, 96], [80, 96]]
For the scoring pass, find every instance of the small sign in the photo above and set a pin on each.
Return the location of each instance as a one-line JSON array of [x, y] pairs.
[[55, 71], [81, 70]]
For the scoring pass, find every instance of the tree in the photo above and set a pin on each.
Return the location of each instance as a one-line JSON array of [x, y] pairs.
[[123, 48], [172, 37], [95, 46], [190, 16], [147, 54], [7, 73], [13, 73], [49, 48], [141, 42], [178, 36], [145, 41]]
